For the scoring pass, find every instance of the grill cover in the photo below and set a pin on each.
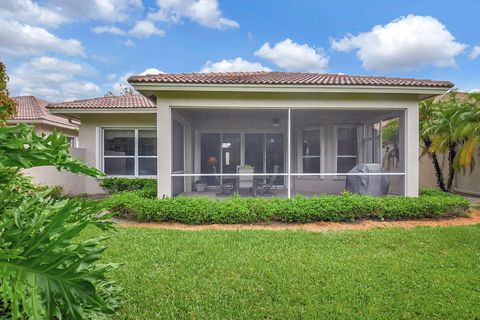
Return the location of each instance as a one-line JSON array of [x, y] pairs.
[[372, 185]]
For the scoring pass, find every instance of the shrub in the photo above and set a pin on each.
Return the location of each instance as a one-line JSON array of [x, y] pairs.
[[346, 207], [147, 187], [45, 272], [433, 192]]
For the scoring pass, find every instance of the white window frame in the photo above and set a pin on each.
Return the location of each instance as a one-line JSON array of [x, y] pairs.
[[73, 141], [136, 157], [300, 156], [336, 156]]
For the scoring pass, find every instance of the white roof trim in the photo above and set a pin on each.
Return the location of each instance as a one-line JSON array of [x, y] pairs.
[[288, 88], [102, 110], [48, 122]]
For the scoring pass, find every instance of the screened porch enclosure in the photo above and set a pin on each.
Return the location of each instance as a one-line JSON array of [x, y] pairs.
[[284, 152]]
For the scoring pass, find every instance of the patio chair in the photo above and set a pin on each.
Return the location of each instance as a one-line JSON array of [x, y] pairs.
[[265, 189], [246, 182]]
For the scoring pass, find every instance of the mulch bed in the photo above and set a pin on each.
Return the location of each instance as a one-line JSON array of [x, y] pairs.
[[472, 218]]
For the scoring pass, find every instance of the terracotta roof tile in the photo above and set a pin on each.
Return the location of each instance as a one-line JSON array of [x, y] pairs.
[[285, 78], [130, 101], [32, 108]]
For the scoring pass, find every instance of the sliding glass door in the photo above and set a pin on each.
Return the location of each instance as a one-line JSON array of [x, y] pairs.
[[265, 152], [224, 152], [255, 150], [275, 155]]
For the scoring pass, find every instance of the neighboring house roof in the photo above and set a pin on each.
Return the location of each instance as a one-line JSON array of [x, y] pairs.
[[459, 96], [285, 78], [130, 101], [33, 110]]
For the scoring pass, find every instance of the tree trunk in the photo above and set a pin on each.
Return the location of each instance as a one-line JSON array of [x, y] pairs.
[[436, 165], [452, 152]]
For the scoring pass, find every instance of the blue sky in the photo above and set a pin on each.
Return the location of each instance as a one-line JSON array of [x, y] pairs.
[[70, 49]]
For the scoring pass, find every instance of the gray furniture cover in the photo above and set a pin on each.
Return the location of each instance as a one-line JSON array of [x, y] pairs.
[[374, 185]]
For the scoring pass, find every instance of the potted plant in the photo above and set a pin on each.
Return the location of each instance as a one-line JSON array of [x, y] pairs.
[[201, 184]]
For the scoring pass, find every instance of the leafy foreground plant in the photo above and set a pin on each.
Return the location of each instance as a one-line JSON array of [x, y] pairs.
[[45, 271]]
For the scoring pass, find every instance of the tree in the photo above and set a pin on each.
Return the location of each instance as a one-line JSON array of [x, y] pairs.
[[124, 91], [7, 105], [450, 125]]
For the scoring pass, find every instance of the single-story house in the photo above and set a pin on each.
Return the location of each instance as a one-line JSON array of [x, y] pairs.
[[294, 133]]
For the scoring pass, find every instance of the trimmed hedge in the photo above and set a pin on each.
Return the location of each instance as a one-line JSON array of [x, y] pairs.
[[346, 207], [146, 187]]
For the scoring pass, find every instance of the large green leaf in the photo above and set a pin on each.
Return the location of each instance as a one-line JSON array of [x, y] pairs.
[[44, 272]]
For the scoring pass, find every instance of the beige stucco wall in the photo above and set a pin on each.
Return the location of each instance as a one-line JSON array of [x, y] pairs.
[[47, 129], [50, 176], [47, 175], [468, 182]]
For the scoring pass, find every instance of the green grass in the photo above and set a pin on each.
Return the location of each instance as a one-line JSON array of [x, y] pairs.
[[422, 273]]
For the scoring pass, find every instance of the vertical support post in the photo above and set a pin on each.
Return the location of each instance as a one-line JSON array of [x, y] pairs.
[[410, 146], [164, 149], [289, 153]]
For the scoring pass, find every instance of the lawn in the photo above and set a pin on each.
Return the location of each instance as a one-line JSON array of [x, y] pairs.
[[377, 274]]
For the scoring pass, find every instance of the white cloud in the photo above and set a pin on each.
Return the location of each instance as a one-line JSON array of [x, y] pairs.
[[475, 53], [111, 76], [233, 65], [145, 29], [204, 12], [53, 79], [109, 10], [55, 12], [120, 83], [141, 29], [31, 12], [406, 43], [294, 57], [117, 84], [108, 29], [151, 71], [19, 39], [129, 43]]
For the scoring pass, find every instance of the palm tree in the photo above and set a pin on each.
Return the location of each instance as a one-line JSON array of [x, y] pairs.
[[426, 127], [468, 133], [450, 125]]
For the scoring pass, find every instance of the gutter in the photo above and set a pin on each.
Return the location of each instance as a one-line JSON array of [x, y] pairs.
[[185, 87]]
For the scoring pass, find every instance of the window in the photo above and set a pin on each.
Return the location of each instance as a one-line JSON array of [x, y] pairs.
[[130, 152], [347, 149], [311, 151], [71, 142]]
